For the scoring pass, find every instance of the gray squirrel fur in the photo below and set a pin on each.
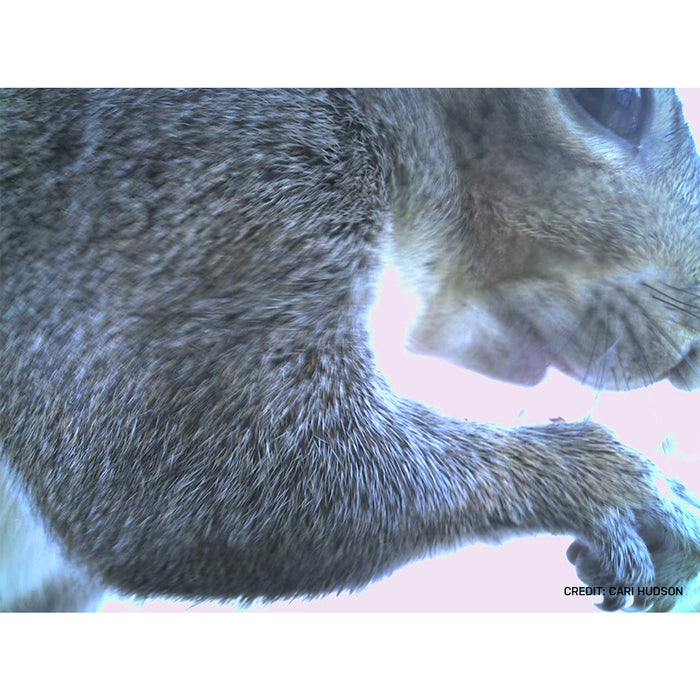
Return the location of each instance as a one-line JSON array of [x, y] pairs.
[[189, 405]]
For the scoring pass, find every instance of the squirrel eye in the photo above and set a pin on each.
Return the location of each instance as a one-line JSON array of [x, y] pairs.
[[621, 110]]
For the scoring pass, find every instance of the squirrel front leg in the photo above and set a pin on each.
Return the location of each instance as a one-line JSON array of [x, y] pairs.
[[273, 494]]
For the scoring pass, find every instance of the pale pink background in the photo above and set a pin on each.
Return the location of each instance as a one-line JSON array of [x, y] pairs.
[[521, 575]]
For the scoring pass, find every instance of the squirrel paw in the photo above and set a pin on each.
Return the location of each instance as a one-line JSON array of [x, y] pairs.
[[650, 555]]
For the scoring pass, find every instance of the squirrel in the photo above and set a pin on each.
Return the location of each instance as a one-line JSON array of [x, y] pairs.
[[189, 403]]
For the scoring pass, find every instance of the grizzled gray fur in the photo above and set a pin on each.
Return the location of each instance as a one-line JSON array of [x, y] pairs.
[[189, 404]]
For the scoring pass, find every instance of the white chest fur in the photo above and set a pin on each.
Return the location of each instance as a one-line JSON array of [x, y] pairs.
[[28, 557]]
